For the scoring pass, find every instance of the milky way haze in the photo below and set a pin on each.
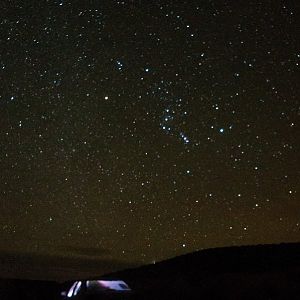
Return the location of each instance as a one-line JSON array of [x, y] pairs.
[[148, 129]]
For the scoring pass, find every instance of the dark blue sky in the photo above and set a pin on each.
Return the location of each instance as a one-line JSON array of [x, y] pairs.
[[148, 129]]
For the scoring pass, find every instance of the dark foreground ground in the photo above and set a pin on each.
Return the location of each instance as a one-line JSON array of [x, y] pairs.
[[252, 272]]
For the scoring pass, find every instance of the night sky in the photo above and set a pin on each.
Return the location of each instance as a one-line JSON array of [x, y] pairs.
[[148, 129]]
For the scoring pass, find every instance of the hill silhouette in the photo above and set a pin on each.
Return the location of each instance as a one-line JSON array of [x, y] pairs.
[[246, 272]]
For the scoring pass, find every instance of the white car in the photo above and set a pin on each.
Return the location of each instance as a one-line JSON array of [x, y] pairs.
[[90, 289]]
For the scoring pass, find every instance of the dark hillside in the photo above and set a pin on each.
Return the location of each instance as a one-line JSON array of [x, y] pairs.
[[247, 272]]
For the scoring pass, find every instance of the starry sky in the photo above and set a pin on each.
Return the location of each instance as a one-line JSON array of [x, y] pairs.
[[143, 130]]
